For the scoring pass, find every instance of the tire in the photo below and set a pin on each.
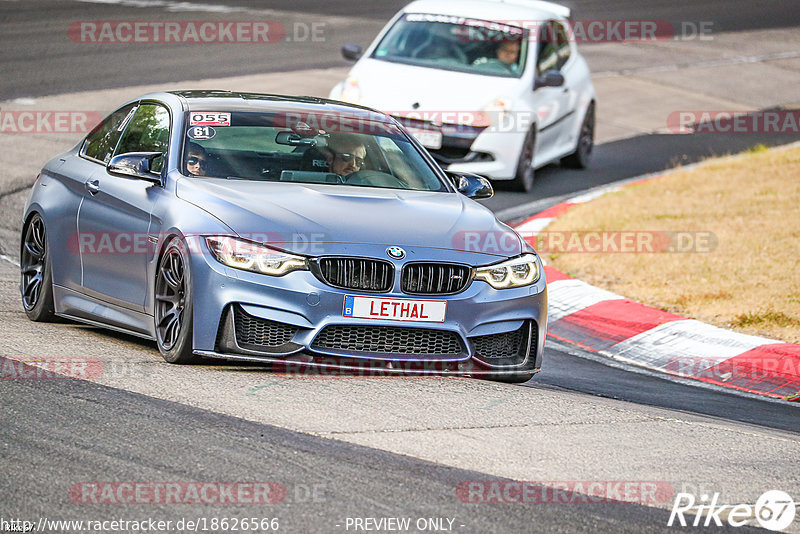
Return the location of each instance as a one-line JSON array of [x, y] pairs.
[[524, 175], [36, 272], [583, 150], [516, 378], [173, 305]]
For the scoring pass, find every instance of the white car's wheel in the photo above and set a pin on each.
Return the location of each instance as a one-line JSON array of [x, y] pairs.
[[583, 150], [524, 177]]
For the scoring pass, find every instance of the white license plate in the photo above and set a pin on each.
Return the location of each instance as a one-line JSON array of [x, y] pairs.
[[425, 311], [427, 138]]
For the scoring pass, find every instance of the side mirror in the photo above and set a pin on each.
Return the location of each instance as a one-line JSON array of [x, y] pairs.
[[352, 52], [471, 185], [550, 78], [135, 165]]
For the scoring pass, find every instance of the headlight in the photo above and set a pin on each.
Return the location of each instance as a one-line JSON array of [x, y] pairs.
[[516, 272], [248, 256], [351, 92], [498, 110]]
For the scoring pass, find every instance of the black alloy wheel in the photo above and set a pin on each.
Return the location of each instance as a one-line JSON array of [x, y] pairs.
[[36, 282], [173, 305]]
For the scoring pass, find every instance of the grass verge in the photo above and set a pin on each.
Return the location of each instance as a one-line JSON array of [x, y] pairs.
[[743, 269]]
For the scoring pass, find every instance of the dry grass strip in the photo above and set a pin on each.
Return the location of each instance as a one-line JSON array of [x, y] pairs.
[[750, 282]]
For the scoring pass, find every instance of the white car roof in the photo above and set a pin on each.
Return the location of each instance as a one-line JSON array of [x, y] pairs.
[[492, 10]]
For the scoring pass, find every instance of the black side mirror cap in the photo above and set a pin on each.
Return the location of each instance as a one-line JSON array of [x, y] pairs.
[[352, 52], [135, 165], [550, 78], [471, 185]]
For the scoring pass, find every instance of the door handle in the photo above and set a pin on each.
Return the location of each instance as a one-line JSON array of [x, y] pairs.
[[93, 186]]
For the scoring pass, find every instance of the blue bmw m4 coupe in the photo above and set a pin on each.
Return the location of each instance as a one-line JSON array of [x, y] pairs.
[[295, 231]]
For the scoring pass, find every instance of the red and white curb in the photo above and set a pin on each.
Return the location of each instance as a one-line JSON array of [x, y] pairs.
[[611, 325]]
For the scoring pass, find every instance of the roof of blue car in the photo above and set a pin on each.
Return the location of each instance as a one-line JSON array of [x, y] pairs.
[[215, 100]]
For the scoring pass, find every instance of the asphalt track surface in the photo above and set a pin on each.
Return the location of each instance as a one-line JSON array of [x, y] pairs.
[[38, 58], [140, 438], [58, 431]]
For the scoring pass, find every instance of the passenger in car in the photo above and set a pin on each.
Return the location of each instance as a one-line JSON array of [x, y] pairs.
[[196, 159]]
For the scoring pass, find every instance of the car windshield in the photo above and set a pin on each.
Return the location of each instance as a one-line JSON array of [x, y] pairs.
[[455, 43], [303, 147]]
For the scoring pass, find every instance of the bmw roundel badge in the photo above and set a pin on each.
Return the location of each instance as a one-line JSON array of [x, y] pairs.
[[396, 253]]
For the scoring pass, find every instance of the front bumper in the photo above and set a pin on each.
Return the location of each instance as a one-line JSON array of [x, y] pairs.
[[501, 150], [298, 307], [489, 151]]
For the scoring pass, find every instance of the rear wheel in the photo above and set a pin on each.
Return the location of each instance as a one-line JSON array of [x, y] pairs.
[[583, 151], [173, 305], [36, 278], [523, 178]]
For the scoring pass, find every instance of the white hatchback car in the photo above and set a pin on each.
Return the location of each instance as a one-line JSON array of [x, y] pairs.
[[491, 87]]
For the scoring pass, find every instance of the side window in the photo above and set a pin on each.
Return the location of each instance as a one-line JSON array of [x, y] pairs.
[[402, 161], [562, 44], [388, 145], [547, 55], [100, 142], [147, 131]]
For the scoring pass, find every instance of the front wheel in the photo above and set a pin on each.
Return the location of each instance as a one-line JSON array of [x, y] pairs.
[[583, 150], [523, 178], [173, 305], [36, 276]]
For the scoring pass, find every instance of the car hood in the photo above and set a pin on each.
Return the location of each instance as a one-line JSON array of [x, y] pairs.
[[291, 216], [393, 87]]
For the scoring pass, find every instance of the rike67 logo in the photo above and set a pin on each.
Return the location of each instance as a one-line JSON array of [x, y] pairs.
[[773, 510]]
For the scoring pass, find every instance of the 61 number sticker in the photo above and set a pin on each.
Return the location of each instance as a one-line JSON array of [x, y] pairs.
[[199, 133], [209, 118]]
